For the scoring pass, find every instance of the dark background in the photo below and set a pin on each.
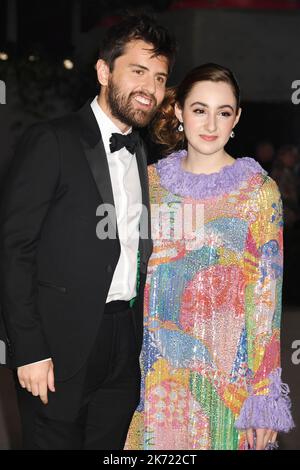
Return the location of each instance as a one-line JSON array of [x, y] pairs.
[[258, 40]]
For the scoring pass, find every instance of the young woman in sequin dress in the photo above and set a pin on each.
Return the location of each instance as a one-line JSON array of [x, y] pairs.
[[211, 354]]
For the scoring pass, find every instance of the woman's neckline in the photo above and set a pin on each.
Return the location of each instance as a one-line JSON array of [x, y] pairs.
[[183, 183], [206, 174]]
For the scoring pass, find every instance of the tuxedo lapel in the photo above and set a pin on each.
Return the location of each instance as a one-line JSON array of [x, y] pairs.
[[145, 246], [143, 174], [97, 160], [95, 154]]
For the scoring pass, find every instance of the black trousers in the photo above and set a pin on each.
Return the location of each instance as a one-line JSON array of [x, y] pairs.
[[93, 409]]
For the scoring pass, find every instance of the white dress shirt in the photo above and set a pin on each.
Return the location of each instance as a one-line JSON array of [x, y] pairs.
[[127, 195]]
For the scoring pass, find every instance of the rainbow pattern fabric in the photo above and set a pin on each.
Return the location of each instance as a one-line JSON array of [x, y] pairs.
[[211, 353]]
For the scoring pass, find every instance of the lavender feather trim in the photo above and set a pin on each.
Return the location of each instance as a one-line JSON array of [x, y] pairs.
[[201, 186], [271, 411]]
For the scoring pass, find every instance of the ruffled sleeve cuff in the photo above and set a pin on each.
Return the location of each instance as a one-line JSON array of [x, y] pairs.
[[272, 411]]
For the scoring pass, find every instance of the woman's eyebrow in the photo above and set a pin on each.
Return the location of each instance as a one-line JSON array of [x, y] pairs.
[[206, 105]]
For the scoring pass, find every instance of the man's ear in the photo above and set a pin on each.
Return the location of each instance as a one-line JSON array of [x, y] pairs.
[[102, 72], [178, 112]]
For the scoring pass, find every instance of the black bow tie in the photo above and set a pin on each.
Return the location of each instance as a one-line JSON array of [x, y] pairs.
[[118, 141]]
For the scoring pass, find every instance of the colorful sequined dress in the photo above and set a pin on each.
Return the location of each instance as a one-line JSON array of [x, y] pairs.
[[211, 353]]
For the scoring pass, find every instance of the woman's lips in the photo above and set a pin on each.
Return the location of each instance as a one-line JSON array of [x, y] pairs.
[[209, 138]]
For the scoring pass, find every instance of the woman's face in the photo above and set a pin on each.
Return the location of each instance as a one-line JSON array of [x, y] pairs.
[[209, 115]]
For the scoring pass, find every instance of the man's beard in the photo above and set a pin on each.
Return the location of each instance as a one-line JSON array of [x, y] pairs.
[[123, 110]]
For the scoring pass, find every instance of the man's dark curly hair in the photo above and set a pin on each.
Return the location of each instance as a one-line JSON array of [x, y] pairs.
[[132, 28]]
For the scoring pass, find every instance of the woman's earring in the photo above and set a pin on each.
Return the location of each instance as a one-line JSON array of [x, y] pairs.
[[232, 134], [180, 128]]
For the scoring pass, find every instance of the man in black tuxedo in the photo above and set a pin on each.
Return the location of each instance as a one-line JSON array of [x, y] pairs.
[[74, 249]]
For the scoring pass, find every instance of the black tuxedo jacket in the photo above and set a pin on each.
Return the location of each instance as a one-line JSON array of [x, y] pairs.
[[55, 272]]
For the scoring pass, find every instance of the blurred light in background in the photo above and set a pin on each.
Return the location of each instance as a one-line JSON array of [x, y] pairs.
[[68, 64], [3, 55]]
